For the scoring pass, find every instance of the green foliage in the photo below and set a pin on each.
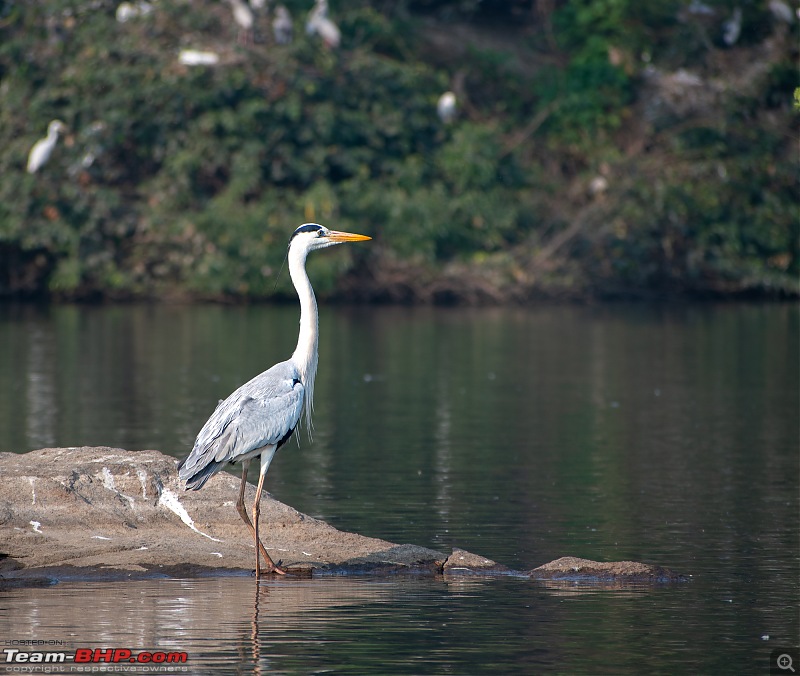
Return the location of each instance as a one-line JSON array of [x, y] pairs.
[[719, 225], [592, 91], [189, 180]]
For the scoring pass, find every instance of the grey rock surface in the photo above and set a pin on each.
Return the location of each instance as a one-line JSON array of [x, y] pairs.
[[108, 513], [571, 568]]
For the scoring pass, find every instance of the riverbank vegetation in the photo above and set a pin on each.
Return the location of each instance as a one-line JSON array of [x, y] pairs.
[[601, 148]]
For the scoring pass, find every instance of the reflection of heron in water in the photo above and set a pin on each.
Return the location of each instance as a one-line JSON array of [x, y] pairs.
[[260, 416]]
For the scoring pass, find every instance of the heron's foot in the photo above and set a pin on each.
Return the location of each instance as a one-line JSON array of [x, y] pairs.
[[270, 565], [270, 569], [275, 569]]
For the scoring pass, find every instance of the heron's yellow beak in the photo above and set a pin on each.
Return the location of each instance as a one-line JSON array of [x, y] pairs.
[[338, 236]]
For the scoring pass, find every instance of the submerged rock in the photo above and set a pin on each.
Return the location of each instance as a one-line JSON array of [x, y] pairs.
[[108, 513], [571, 569]]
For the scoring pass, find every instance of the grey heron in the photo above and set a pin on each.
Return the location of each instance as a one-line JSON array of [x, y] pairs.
[[260, 416], [43, 148]]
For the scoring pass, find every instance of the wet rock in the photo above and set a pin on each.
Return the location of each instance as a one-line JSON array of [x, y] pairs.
[[109, 514], [570, 568], [461, 562], [115, 512]]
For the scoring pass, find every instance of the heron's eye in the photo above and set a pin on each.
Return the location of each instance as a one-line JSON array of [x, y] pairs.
[[321, 233]]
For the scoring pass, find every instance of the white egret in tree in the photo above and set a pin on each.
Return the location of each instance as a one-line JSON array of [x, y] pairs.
[[128, 10], [260, 416], [43, 148], [319, 24], [194, 57], [282, 26], [446, 107], [781, 11], [732, 28], [243, 16], [125, 12]]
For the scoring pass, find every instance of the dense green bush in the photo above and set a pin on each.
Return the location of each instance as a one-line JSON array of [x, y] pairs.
[[175, 179]]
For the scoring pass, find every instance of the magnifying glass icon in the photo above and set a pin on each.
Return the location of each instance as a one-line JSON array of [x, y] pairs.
[[785, 662]]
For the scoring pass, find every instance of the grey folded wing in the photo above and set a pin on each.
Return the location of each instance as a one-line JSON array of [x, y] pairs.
[[262, 412]]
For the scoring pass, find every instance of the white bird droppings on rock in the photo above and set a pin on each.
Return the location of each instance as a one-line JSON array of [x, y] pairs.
[[143, 480], [108, 479], [171, 502]]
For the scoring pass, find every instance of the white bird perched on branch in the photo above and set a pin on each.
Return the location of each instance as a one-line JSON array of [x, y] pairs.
[[125, 12], [243, 16], [446, 107], [128, 10], [781, 11], [282, 26], [732, 28], [260, 416], [194, 57], [43, 148], [318, 23]]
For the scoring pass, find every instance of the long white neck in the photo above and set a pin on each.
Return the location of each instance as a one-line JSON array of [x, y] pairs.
[[305, 354]]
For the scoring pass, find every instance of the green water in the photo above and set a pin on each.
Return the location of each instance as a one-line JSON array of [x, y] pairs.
[[661, 434]]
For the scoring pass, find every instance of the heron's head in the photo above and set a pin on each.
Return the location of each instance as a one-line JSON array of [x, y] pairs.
[[56, 126], [310, 236]]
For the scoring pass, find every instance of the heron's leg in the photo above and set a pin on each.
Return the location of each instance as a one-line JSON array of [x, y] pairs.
[[240, 502], [266, 459], [243, 510]]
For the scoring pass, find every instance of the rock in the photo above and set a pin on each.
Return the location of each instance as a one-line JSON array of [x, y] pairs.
[[462, 562], [67, 512], [107, 513], [571, 569]]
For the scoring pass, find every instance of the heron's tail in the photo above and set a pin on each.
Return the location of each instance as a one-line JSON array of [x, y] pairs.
[[196, 480]]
